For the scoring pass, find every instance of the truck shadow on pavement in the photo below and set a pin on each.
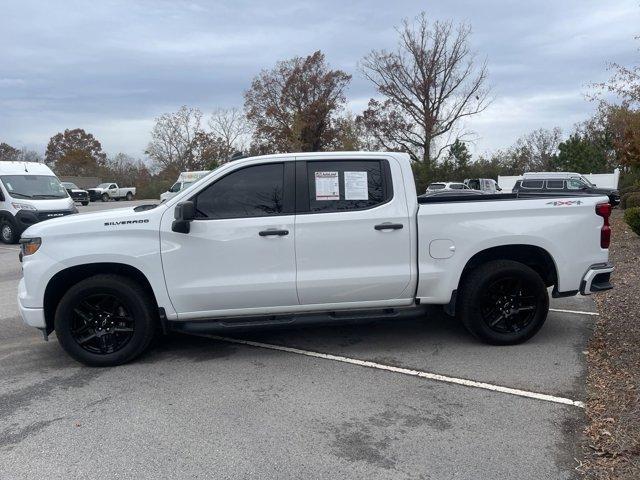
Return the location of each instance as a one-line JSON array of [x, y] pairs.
[[384, 341]]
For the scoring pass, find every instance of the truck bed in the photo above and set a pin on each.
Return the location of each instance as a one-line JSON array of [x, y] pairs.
[[422, 199]]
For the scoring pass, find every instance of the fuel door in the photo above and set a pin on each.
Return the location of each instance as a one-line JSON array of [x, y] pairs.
[[442, 248]]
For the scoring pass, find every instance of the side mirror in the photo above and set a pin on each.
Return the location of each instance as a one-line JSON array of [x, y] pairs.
[[184, 213], [498, 188]]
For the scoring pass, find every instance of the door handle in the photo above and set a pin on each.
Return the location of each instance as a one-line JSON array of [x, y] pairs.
[[389, 226], [269, 233]]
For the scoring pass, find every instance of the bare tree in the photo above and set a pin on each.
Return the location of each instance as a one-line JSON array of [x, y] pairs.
[[430, 83], [292, 107], [230, 126], [173, 138]]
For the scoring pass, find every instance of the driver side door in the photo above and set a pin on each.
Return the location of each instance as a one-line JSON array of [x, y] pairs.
[[238, 258]]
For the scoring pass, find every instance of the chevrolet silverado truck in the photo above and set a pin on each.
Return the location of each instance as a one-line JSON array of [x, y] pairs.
[[108, 191], [306, 238]]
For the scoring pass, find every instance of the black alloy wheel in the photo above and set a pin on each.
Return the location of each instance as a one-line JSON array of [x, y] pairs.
[[503, 302], [101, 324], [106, 320], [508, 305]]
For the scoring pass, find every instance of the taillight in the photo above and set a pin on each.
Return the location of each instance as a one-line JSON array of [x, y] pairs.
[[604, 210]]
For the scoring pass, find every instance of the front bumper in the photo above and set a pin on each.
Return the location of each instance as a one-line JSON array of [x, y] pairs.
[[34, 317], [597, 279]]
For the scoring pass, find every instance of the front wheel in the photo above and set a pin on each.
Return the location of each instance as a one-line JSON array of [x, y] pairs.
[[8, 232], [105, 197], [84, 204], [503, 302], [105, 320]]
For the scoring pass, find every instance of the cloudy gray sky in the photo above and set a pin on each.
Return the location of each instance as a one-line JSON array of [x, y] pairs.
[[112, 66]]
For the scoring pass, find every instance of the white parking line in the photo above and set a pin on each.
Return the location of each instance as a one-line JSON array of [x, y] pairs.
[[10, 249], [406, 371], [578, 312]]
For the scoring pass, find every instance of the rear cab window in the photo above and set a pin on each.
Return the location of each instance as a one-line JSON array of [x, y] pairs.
[[342, 185]]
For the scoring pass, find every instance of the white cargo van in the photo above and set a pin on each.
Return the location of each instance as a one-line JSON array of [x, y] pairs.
[[29, 193], [185, 179]]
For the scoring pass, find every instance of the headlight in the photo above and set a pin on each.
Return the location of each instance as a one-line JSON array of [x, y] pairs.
[[29, 246], [23, 206]]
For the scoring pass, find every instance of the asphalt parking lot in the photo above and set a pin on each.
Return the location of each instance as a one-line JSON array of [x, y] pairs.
[[197, 407]]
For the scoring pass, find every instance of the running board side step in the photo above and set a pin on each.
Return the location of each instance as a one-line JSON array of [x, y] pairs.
[[227, 324]]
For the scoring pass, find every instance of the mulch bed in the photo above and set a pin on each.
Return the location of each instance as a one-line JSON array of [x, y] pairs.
[[612, 438]]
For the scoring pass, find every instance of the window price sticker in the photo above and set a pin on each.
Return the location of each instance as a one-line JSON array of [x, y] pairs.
[[355, 186], [327, 186]]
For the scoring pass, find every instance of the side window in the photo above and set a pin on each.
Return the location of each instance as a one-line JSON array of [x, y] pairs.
[[346, 185], [255, 191], [555, 184], [574, 184], [457, 186], [113, 185], [532, 184]]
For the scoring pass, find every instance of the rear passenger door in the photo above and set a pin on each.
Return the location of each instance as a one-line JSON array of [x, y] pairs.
[[352, 232]]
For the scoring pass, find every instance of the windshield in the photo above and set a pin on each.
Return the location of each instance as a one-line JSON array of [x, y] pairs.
[[33, 186], [70, 185], [103, 185], [585, 180]]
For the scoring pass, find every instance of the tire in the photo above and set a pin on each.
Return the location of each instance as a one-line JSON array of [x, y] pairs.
[[8, 233], [105, 197], [503, 302], [129, 196], [85, 203], [98, 340]]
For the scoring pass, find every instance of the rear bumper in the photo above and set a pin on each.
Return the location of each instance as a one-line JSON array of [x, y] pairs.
[[597, 279]]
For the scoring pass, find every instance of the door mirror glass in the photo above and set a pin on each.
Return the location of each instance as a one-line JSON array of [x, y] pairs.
[[184, 213]]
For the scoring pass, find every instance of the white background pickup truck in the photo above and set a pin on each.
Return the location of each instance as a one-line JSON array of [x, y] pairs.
[[296, 238], [107, 191]]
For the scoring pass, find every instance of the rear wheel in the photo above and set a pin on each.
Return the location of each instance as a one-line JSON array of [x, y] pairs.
[[8, 232], [129, 196], [105, 197], [503, 302], [105, 320], [85, 203]]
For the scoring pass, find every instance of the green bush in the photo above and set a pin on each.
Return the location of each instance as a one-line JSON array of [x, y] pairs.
[[631, 200], [632, 217], [630, 189]]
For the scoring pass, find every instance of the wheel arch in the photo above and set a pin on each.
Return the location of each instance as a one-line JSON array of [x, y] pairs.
[[535, 257], [62, 281]]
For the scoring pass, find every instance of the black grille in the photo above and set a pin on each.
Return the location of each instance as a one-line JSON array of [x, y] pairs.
[[53, 214]]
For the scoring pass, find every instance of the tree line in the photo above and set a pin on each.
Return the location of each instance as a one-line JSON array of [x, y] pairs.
[[426, 87]]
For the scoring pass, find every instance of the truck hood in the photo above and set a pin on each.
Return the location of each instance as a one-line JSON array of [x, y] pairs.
[[98, 222], [46, 205]]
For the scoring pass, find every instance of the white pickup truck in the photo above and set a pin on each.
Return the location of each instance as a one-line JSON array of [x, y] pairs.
[[301, 238], [108, 191]]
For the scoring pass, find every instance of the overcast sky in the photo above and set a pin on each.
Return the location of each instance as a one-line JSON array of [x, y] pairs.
[[112, 66]]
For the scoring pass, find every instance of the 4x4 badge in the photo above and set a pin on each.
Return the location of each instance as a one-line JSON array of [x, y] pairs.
[[559, 203]]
